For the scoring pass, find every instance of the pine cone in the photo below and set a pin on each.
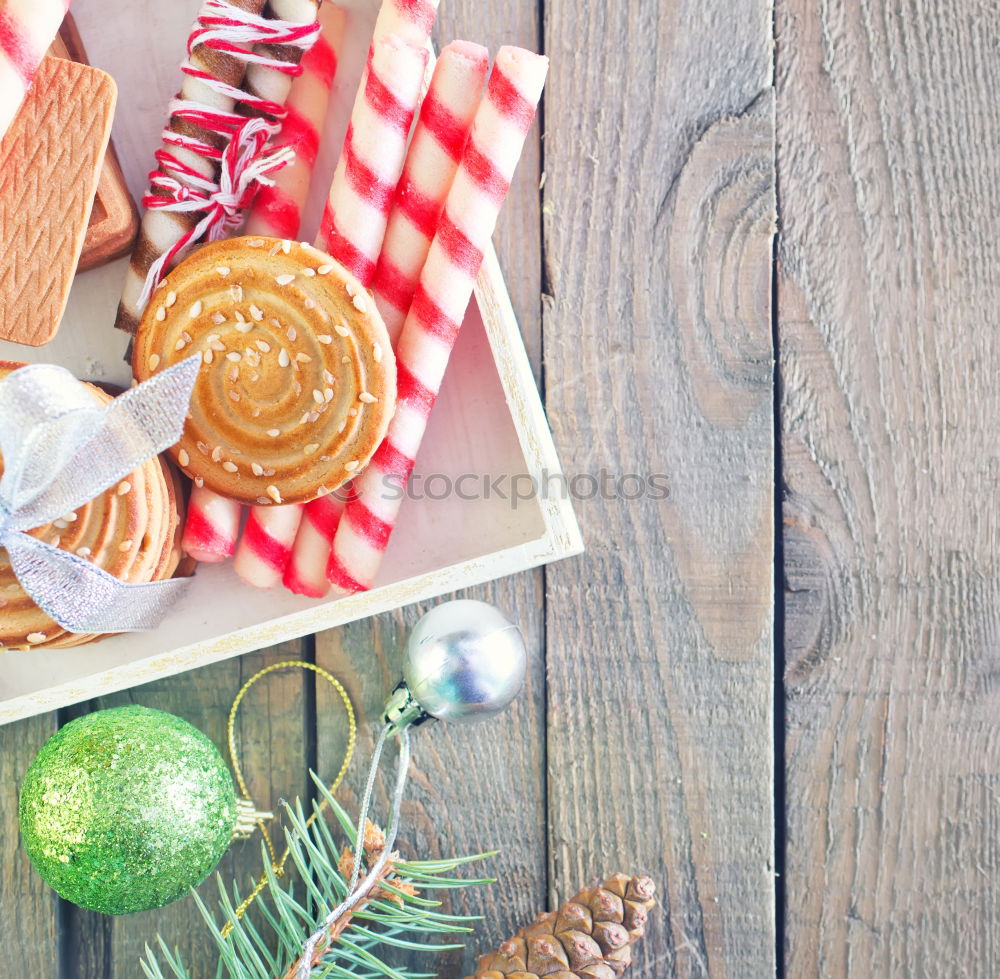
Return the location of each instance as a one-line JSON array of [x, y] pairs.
[[590, 937]]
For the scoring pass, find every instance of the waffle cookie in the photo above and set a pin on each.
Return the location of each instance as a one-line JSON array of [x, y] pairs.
[[132, 531], [298, 379], [50, 165]]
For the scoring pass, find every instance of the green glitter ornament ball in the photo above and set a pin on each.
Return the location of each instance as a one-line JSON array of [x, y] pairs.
[[123, 810]]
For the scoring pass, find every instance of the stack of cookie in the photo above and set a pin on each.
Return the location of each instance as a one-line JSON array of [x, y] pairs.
[[132, 531]]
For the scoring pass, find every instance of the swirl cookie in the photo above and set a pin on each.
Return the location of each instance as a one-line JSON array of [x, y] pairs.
[[132, 531], [298, 379]]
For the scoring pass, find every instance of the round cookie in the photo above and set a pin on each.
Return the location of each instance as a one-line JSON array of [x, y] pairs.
[[131, 531], [298, 379]]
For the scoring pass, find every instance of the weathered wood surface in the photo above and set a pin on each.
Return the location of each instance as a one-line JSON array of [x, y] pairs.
[[659, 217], [889, 290]]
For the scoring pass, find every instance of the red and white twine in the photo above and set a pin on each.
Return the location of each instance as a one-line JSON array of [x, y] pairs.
[[246, 162]]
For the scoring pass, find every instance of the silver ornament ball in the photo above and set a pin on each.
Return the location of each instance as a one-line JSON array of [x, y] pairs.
[[465, 661]]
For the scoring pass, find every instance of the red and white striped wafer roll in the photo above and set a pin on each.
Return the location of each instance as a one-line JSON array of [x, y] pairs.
[[27, 28], [266, 545], [306, 572], [412, 20], [277, 210], [435, 317], [431, 162], [212, 526], [357, 210]]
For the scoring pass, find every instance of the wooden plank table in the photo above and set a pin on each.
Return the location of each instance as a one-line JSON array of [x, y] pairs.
[[812, 782]]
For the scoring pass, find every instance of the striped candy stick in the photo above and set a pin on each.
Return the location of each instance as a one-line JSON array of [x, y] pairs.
[[27, 28], [435, 317], [364, 182], [265, 551], [277, 210], [266, 545], [431, 163], [212, 526], [306, 572]]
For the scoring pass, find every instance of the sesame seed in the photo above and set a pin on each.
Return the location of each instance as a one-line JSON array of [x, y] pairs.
[[202, 448], [161, 314], [154, 361], [268, 472], [234, 395], [125, 545], [124, 488], [199, 482], [359, 304], [311, 448], [217, 454], [255, 377], [308, 272], [56, 541], [218, 346], [313, 416], [234, 374], [256, 242], [222, 269], [350, 289], [234, 356], [304, 420], [171, 298], [328, 395], [256, 312], [183, 458], [70, 517], [180, 344], [318, 397], [353, 412], [272, 491], [274, 432], [325, 338], [263, 501], [325, 269], [275, 248], [343, 425], [256, 411], [196, 309], [83, 551], [208, 357], [328, 377], [367, 398], [345, 359], [303, 358], [35, 637], [218, 319], [240, 318], [253, 358], [244, 327], [230, 467], [236, 291], [286, 247], [160, 285], [377, 352], [342, 330], [309, 303], [186, 336], [284, 280], [263, 346], [256, 469], [283, 360], [296, 388], [293, 334], [352, 465]]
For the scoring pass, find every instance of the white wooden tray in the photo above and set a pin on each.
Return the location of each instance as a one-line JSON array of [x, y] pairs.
[[488, 421]]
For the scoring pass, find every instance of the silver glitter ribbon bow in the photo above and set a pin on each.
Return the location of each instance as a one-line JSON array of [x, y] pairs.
[[60, 450]]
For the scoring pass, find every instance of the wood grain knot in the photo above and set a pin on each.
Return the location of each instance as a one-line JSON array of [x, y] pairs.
[[720, 255]]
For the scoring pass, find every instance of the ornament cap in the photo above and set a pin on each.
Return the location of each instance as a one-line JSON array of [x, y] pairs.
[[248, 819]]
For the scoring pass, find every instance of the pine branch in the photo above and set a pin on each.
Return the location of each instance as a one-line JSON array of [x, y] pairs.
[[393, 912]]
